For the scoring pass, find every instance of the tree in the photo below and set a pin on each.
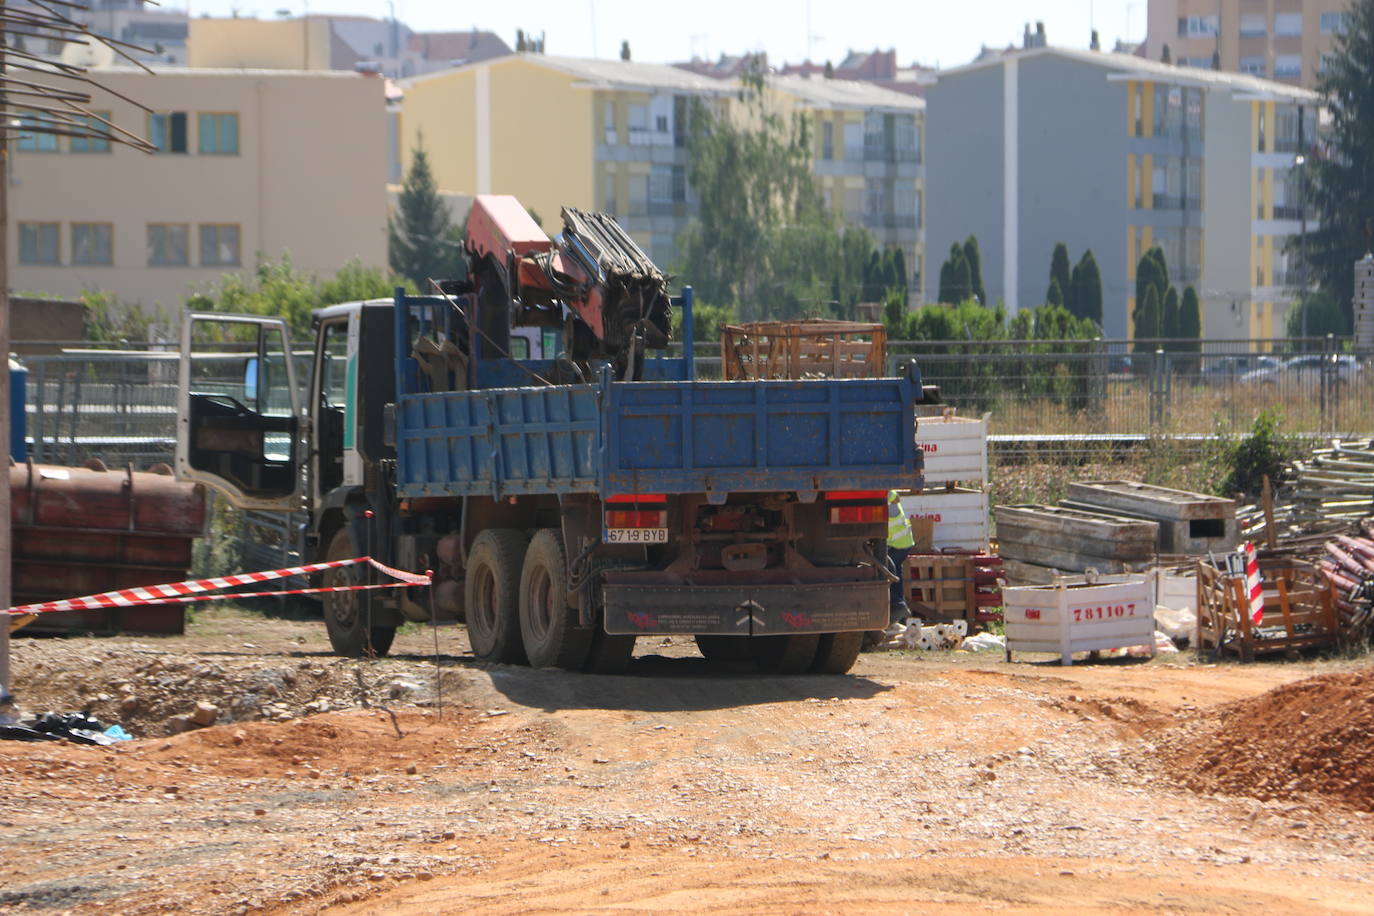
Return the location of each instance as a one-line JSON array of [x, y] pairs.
[[420, 232], [975, 269], [1169, 315], [762, 238], [1060, 273], [1053, 296], [625, 50], [1342, 177], [1151, 273], [955, 282], [1147, 323], [1324, 316], [1190, 322], [1086, 299]]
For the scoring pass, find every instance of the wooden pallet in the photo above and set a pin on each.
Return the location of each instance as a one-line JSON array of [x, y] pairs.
[[803, 349], [954, 586], [1298, 613]]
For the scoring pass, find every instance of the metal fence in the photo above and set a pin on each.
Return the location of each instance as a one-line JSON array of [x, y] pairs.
[[120, 406]]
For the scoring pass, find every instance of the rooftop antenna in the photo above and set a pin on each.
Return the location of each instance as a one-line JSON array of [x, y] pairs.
[[52, 98]]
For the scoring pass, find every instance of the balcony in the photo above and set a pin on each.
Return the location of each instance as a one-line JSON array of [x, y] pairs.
[[890, 155], [1289, 212], [879, 220], [1174, 202]]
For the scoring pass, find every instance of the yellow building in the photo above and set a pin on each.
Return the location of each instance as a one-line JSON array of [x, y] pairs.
[[1284, 40], [556, 131], [251, 163], [868, 144]]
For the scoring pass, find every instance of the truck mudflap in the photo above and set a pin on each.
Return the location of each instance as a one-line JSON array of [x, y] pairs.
[[744, 604]]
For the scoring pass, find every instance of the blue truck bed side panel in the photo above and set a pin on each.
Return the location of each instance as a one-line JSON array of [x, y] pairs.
[[498, 442], [659, 437]]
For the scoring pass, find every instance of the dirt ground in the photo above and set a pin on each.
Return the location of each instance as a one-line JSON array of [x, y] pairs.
[[930, 783]]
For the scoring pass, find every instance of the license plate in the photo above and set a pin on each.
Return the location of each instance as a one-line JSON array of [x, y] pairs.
[[636, 536]]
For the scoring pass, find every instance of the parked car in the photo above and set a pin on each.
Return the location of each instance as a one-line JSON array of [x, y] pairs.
[[1227, 370], [1305, 370]]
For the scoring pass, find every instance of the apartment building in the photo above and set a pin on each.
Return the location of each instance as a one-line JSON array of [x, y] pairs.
[[1119, 154], [249, 163], [556, 131], [1283, 40], [868, 157], [332, 42]]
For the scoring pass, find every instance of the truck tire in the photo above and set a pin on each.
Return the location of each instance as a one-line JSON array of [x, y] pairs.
[[837, 652], [548, 624], [492, 595], [723, 649], [784, 654], [345, 614]]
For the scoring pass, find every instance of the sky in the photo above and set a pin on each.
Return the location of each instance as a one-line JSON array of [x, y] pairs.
[[942, 33]]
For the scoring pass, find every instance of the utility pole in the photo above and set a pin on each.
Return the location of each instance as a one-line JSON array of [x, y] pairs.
[[6, 706], [1301, 162]]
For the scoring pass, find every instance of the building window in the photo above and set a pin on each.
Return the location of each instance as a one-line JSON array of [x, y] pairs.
[[167, 244], [167, 131], [219, 245], [1253, 25], [30, 140], [1199, 26], [1254, 65], [1288, 25], [637, 123], [219, 134], [38, 243], [92, 243], [1288, 66], [93, 144], [828, 139], [608, 117], [1334, 23]]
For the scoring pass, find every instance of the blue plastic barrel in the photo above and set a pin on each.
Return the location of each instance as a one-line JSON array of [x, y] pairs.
[[18, 378]]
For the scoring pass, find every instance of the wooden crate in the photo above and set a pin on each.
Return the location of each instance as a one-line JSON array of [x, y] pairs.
[[954, 586], [803, 349], [1298, 610]]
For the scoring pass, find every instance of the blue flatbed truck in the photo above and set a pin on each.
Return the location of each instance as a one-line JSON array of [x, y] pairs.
[[563, 510], [561, 520]]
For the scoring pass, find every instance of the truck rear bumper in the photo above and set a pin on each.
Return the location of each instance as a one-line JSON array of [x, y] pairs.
[[744, 604]]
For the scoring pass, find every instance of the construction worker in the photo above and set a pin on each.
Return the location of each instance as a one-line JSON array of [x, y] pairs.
[[899, 543]]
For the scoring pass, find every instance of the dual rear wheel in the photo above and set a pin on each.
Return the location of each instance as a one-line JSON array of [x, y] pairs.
[[518, 608]]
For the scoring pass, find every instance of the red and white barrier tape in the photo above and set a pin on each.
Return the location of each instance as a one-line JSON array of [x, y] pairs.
[[192, 589]]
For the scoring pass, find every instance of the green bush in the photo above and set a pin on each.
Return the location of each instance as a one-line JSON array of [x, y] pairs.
[[1264, 452]]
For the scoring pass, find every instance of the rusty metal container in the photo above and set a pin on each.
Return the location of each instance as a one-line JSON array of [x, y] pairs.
[[80, 531]]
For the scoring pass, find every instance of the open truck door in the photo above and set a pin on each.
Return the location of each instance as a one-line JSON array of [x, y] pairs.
[[239, 423]]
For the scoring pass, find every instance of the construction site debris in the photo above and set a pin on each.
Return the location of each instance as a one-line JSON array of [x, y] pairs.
[[1349, 564], [72, 726], [1319, 496], [963, 588], [1072, 540]]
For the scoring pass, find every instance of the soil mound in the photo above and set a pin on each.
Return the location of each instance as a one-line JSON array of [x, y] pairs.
[[1314, 736]]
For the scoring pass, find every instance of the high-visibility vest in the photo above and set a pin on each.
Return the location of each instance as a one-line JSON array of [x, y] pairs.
[[898, 525]]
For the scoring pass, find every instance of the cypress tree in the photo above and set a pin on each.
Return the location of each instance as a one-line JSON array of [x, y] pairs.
[[1054, 296], [1059, 270], [1169, 326], [1147, 326], [975, 269], [1190, 321], [1087, 289]]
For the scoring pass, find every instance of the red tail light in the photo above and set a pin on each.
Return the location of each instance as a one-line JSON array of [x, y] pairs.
[[636, 518], [642, 498], [858, 515], [855, 495]]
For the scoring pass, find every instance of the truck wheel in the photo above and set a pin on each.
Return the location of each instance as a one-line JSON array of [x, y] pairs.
[[345, 614], [492, 595], [784, 654], [722, 649], [837, 652], [548, 623]]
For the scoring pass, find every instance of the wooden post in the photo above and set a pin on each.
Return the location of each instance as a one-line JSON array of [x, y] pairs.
[[1270, 535]]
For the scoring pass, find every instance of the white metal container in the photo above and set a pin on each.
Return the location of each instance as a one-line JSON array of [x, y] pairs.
[[1071, 616], [960, 517], [955, 448]]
